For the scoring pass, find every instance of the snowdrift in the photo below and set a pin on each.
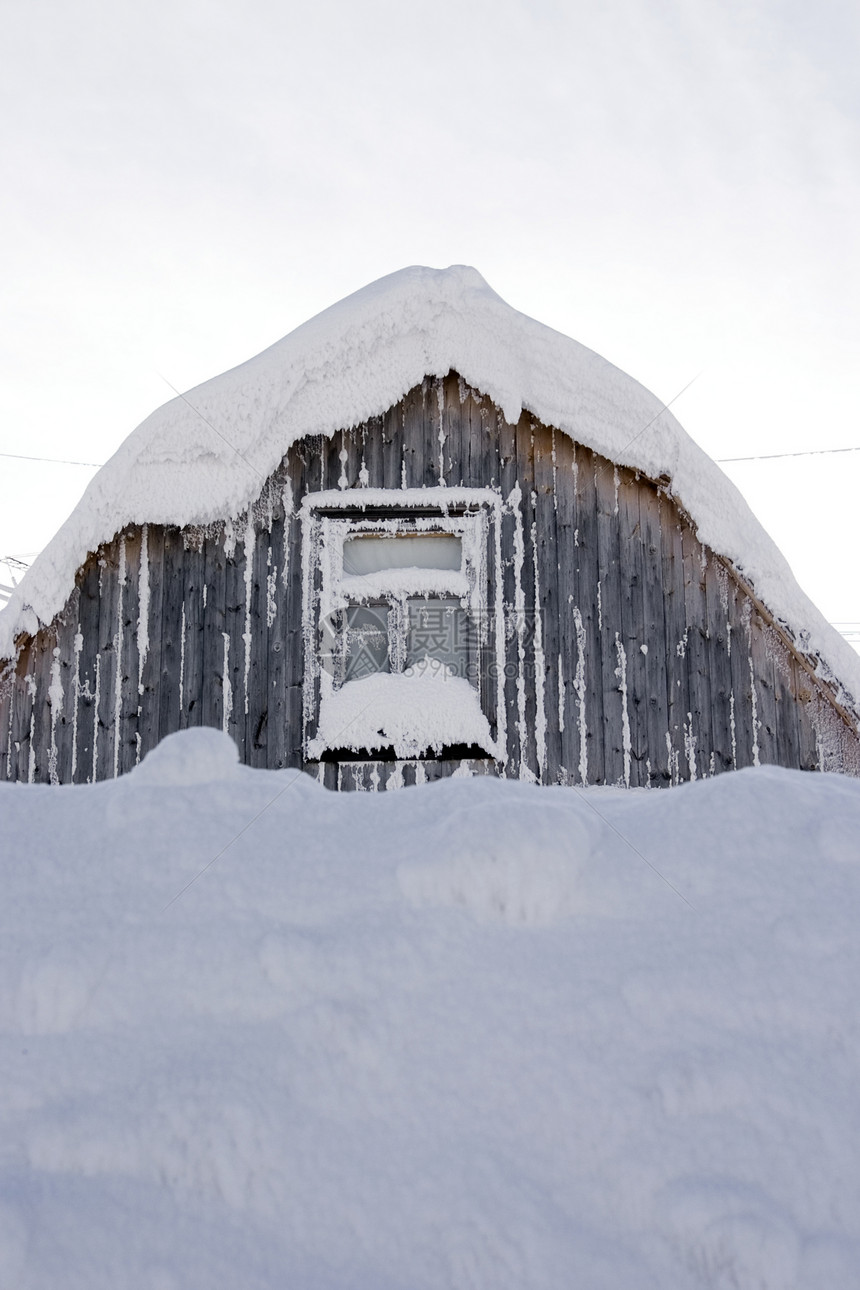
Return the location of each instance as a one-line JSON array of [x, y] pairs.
[[475, 1034]]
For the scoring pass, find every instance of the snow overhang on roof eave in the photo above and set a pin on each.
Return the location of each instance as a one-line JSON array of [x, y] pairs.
[[205, 455]]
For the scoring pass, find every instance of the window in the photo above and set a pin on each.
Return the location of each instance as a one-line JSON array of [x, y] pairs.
[[405, 595], [400, 623]]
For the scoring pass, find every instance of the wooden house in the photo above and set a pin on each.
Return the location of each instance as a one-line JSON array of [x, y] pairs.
[[422, 535]]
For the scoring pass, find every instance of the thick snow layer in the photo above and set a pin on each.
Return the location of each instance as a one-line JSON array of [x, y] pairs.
[[475, 1035], [424, 709], [205, 455]]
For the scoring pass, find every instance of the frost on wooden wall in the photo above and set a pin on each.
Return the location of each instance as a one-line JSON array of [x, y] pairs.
[[616, 648]]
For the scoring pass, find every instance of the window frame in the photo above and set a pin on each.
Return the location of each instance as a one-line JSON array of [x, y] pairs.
[[331, 518]]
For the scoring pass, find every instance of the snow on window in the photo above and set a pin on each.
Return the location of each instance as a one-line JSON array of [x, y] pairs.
[[422, 709], [399, 627]]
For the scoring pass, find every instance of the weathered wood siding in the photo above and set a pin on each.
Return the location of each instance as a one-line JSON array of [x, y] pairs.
[[634, 655]]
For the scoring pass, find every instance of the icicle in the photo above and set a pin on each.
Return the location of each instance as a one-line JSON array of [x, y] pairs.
[[690, 742], [267, 517], [579, 690], [420, 773], [599, 607], [514, 499], [143, 606], [616, 479], [540, 665], [440, 402], [227, 708], [182, 660], [621, 673], [31, 768], [562, 693], [288, 515], [364, 474], [229, 539], [250, 544], [554, 474], [271, 589], [501, 646], [732, 725], [754, 701], [76, 690], [55, 699], [117, 646], [96, 698], [672, 760], [343, 481]]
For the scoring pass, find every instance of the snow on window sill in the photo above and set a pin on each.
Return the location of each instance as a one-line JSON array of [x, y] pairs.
[[422, 710]]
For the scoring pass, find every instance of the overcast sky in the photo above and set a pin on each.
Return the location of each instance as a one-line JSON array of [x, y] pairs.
[[675, 184]]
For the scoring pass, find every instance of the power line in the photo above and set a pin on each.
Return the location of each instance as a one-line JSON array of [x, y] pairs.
[[213, 428], [57, 461], [769, 456], [722, 461]]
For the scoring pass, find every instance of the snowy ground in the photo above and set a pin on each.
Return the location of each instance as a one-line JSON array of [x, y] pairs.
[[475, 1034]]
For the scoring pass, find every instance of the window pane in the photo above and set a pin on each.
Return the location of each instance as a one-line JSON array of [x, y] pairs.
[[410, 551], [365, 641], [443, 630]]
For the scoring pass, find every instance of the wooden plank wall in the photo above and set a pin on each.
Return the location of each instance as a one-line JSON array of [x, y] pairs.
[[634, 655]]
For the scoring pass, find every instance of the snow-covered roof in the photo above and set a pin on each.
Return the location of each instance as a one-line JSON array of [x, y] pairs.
[[204, 456]]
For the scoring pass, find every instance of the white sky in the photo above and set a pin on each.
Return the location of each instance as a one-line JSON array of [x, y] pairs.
[[675, 184]]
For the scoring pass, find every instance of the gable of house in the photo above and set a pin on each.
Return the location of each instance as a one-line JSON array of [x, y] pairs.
[[601, 640]]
